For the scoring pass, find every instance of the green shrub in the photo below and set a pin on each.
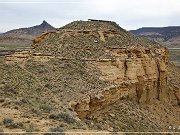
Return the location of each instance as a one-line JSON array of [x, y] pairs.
[[10, 124], [15, 125], [25, 100], [45, 107], [63, 116], [53, 116], [47, 85], [31, 128], [59, 130], [36, 111], [7, 121], [10, 90]]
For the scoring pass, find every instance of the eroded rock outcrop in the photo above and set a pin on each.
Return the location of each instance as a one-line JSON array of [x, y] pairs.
[[138, 74], [132, 68]]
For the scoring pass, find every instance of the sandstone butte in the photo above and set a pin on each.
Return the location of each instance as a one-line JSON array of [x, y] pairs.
[[91, 76]]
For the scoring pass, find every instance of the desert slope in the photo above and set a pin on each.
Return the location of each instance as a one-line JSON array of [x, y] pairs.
[[90, 76]]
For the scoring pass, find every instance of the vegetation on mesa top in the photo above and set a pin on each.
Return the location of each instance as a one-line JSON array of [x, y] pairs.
[[92, 25]]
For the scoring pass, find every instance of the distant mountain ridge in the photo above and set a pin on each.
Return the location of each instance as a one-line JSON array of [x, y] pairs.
[[33, 31], [24, 35], [169, 36]]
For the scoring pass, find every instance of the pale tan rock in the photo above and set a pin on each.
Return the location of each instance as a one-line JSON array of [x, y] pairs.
[[141, 77], [112, 115], [137, 72]]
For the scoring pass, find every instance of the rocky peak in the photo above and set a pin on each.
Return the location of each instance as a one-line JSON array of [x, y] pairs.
[[30, 31], [45, 24]]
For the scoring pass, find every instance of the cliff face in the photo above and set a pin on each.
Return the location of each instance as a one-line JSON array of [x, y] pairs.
[[86, 71], [138, 73]]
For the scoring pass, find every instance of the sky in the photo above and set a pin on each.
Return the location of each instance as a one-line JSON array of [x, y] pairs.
[[129, 14]]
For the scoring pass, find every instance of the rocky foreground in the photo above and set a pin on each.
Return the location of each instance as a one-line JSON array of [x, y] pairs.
[[90, 76]]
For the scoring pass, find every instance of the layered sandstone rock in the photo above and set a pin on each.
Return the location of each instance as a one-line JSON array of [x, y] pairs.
[[133, 69], [138, 73]]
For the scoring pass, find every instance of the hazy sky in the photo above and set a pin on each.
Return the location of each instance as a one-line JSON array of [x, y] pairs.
[[129, 14]]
